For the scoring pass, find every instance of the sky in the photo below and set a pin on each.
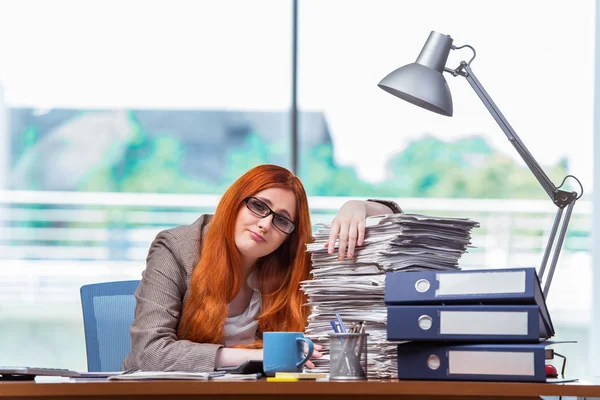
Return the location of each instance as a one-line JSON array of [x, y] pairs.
[[535, 59]]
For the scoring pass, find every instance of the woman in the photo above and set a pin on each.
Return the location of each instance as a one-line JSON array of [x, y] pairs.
[[211, 288]]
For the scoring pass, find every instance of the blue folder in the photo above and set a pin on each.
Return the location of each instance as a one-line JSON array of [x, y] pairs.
[[466, 323], [473, 362], [488, 286]]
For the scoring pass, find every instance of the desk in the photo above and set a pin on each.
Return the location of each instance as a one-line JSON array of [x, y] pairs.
[[308, 390]]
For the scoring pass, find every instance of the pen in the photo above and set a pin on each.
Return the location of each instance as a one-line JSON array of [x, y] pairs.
[[339, 319], [336, 330], [361, 342], [347, 350], [362, 338], [334, 326]]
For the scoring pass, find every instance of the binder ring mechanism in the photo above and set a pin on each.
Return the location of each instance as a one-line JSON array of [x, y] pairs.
[[422, 285], [433, 362], [425, 322]]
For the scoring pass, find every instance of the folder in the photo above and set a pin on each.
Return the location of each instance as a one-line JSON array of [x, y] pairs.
[[473, 362], [472, 323], [489, 286]]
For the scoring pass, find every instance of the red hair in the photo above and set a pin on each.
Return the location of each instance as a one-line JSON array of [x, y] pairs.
[[218, 276]]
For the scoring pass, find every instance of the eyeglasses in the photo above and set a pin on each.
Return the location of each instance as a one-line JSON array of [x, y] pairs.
[[260, 209]]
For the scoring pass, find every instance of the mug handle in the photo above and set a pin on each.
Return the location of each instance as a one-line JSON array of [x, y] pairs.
[[311, 348]]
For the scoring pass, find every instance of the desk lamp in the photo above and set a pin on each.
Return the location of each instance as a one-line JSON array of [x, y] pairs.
[[422, 83]]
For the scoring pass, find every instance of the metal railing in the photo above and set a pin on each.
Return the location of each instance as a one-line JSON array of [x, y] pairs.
[[53, 242]]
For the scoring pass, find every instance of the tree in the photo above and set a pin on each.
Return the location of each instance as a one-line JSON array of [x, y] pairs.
[[466, 168]]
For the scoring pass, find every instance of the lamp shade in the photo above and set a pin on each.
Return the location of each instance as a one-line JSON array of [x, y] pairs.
[[422, 83]]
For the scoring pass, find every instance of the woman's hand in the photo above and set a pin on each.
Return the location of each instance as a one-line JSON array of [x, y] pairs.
[[349, 224], [315, 354]]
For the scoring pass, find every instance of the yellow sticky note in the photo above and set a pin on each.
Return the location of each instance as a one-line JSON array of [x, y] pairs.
[[274, 379], [301, 375]]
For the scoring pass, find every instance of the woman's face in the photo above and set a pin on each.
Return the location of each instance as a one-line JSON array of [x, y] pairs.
[[256, 237]]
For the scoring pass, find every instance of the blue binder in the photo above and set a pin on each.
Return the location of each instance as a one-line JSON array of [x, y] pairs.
[[473, 362], [488, 286], [466, 323]]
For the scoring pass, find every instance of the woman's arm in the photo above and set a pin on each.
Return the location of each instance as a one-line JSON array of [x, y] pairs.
[[388, 205], [349, 223], [227, 357], [154, 342]]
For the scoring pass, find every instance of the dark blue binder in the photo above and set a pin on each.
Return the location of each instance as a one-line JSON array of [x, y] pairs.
[[488, 286], [473, 362], [466, 323]]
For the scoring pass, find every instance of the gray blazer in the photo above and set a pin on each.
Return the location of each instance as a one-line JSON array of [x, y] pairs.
[[163, 289]]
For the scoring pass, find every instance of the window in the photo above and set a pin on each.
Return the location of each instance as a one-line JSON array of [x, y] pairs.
[[464, 165], [123, 118]]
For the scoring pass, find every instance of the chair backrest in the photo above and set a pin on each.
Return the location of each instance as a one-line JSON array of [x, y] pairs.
[[108, 310]]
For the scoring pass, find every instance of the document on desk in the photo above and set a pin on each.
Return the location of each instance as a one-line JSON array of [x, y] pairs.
[[181, 375], [150, 375], [399, 242]]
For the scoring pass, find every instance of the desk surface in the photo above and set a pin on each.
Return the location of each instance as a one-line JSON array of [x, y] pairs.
[[295, 390]]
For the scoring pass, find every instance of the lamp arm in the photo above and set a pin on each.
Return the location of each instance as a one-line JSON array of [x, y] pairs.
[[512, 136], [560, 198]]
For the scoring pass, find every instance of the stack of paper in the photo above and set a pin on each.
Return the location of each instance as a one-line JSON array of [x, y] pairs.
[[355, 287]]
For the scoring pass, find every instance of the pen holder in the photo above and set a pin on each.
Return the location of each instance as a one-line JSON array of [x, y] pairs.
[[348, 356]]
